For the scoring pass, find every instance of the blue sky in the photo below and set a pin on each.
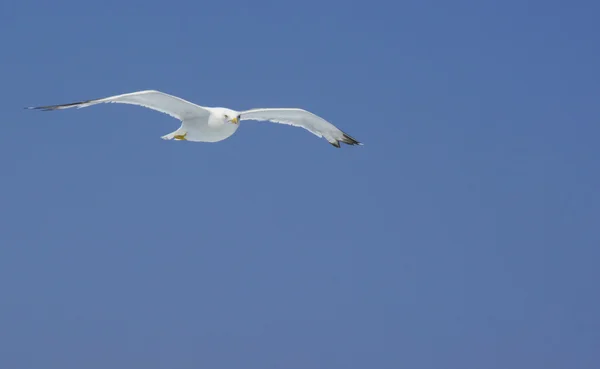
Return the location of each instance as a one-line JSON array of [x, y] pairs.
[[464, 234]]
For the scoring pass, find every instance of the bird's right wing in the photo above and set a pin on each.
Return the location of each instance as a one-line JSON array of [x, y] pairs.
[[172, 105]]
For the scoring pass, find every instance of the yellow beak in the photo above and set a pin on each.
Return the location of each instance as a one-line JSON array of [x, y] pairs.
[[234, 120]]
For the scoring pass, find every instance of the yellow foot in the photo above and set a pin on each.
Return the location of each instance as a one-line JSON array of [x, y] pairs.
[[180, 137]]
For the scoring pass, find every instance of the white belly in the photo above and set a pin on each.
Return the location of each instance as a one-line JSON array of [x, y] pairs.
[[208, 131]]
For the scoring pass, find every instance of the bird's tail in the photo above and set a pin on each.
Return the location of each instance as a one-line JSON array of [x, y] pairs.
[[173, 135]]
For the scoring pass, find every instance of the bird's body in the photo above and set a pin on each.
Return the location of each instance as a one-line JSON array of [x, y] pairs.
[[214, 124], [213, 129]]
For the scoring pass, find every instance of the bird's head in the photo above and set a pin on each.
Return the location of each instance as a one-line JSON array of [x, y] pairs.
[[231, 116]]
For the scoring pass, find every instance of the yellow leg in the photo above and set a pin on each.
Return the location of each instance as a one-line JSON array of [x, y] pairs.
[[180, 137]]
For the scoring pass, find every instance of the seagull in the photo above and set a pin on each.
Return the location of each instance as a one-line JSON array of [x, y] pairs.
[[214, 124]]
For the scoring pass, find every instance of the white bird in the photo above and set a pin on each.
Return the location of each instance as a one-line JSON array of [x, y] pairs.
[[206, 124]]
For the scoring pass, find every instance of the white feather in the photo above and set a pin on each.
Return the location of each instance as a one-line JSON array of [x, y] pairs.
[[298, 118], [206, 124]]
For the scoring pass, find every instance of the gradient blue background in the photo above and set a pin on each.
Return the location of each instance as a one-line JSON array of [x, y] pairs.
[[464, 234]]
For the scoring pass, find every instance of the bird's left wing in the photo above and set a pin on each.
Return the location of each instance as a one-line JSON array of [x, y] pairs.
[[172, 105], [304, 119]]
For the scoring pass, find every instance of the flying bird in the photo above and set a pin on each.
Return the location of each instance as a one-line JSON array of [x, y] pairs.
[[213, 124]]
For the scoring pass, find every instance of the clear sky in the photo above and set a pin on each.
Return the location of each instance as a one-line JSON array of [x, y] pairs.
[[463, 234]]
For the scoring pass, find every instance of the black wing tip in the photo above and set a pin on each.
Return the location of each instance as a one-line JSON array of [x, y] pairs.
[[57, 107], [42, 108], [349, 140]]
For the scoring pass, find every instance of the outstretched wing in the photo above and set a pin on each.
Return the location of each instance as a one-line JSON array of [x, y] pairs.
[[304, 119], [174, 106]]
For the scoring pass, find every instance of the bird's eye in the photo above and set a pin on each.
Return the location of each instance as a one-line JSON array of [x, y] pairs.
[[226, 116]]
